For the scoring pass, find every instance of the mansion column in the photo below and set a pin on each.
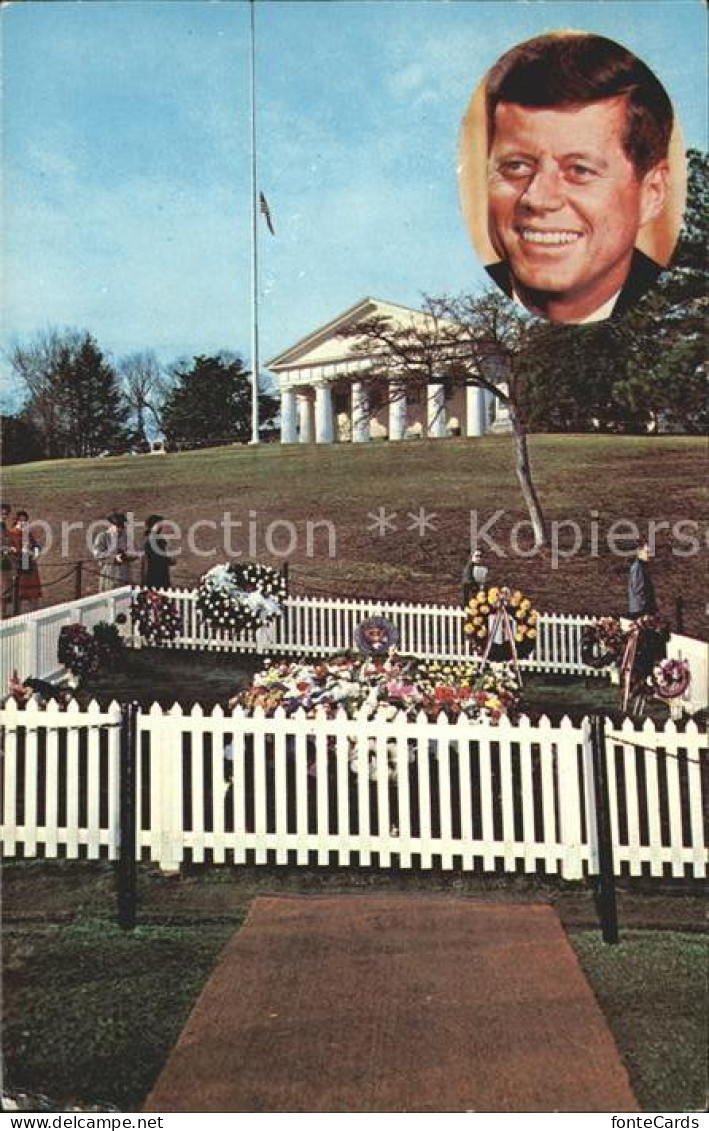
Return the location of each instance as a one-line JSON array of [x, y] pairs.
[[397, 412], [436, 415], [475, 411], [324, 430], [305, 419], [289, 431], [360, 413]]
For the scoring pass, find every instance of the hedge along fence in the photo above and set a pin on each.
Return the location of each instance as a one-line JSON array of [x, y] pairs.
[[354, 792]]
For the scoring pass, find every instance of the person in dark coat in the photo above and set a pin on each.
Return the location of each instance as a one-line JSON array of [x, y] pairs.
[[641, 591], [157, 560], [651, 646]]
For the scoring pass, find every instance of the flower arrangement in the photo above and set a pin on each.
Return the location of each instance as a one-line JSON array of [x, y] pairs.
[[382, 688], [456, 689], [78, 650], [376, 636], [109, 643], [155, 616], [241, 597], [602, 643], [671, 678], [482, 611]]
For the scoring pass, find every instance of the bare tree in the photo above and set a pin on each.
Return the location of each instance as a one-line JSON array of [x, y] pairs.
[[145, 387], [38, 366], [468, 340]]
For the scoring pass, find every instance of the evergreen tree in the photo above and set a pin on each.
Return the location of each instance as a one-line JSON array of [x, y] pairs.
[[73, 395], [210, 403]]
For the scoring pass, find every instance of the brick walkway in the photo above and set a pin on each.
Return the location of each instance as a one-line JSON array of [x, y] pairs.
[[395, 1004]]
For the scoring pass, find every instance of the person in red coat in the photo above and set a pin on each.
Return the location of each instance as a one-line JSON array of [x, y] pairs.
[[25, 551]]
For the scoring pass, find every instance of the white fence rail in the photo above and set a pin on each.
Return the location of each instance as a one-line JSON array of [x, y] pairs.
[[354, 791], [28, 643], [326, 625]]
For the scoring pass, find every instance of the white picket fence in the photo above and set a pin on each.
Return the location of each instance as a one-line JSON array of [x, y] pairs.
[[28, 643], [313, 626], [282, 790]]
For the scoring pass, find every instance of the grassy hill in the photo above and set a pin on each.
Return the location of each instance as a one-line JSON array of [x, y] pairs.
[[275, 492]]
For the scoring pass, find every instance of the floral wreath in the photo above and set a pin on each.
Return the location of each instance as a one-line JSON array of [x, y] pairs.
[[671, 678], [602, 643], [376, 636], [481, 612], [155, 616], [241, 597], [78, 650]]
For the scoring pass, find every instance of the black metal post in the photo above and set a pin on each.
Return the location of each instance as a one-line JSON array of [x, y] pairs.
[[78, 579], [606, 898], [127, 868], [679, 613], [285, 571], [16, 609]]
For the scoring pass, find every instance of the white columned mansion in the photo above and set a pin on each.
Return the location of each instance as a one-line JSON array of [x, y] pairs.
[[323, 402]]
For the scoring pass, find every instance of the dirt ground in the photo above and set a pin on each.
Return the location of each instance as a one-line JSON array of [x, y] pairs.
[[592, 481]]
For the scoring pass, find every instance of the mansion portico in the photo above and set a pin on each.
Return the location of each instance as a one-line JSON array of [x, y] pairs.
[[325, 397]]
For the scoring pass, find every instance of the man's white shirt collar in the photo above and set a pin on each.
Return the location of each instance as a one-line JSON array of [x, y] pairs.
[[598, 315]]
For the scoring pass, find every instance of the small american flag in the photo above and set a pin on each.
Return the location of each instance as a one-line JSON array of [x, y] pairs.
[[266, 213]]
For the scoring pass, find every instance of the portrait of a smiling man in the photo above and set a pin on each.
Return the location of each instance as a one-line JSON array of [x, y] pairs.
[[578, 131]]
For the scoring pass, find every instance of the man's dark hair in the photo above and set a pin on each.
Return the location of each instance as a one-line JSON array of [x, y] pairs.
[[574, 69]]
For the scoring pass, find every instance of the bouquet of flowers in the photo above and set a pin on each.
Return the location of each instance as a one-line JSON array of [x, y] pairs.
[[155, 616], [457, 690], [670, 678], [241, 598], [493, 607], [602, 643], [78, 650]]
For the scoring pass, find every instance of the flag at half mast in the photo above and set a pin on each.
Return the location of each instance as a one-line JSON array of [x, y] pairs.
[[266, 213]]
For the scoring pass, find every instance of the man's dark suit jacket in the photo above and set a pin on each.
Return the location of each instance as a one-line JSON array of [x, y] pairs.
[[641, 276]]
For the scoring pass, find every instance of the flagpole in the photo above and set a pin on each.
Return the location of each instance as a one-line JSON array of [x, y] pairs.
[[254, 240]]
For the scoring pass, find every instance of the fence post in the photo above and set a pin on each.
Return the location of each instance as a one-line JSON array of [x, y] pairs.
[[127, 868], [569, 800], [16, 595], [606, 899], [78, 580], [166, 730]]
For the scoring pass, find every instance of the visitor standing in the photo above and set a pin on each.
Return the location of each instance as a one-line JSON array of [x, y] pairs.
[[110, 549], [6, 563], [474, 576], [156, 557], [25, 551], [641, 591]]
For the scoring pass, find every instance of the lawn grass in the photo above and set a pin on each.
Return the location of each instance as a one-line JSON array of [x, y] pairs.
[[91, 1012], [595, 480], [652, 988]]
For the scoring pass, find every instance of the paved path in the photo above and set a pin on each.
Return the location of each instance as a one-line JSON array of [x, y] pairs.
[[395, 1004]]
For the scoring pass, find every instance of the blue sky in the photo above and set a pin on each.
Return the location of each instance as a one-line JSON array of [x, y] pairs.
[[126, 133]]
